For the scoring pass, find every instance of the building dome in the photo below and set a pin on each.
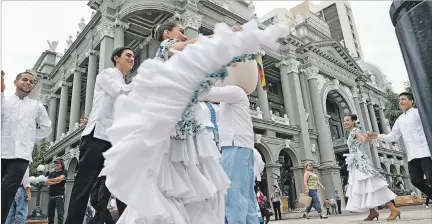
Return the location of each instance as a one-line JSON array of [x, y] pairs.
[[375, 73]]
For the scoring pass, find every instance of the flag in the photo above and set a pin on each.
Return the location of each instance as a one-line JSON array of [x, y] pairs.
[[261, 72]]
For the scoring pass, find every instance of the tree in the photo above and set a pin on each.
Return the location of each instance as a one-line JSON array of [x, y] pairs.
[[38, 158], [393, 110]]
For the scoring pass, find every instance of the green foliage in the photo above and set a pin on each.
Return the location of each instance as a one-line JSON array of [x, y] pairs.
[[393, 110], [37, 156]]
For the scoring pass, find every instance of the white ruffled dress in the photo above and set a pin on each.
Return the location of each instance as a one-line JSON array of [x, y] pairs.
[[162, 179], [366, 187]]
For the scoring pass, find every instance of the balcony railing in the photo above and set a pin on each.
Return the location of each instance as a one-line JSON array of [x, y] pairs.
[[258, 114]]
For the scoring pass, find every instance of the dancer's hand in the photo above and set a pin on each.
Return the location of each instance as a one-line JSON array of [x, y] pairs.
[[372, 135], [2, 80], [84, 121], [237, 28]]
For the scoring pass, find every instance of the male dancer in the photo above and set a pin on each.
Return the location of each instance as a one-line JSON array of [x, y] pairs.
[[94, 141], [20, 117], [409, 126]]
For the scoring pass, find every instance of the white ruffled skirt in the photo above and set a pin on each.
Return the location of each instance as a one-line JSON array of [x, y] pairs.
[[366, 191], [163, 180]]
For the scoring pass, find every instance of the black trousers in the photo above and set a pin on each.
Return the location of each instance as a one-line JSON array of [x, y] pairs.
[[53, 204], [12, 173], [120, 206], [90, 164], [339, 205], [99, 199], [418, 168], [277, 210]]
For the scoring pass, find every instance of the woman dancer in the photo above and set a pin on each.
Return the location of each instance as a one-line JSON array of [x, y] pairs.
[[312, 184], [367, 189], [178, 177]]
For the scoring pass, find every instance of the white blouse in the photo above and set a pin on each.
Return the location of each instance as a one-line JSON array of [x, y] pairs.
[[24, 123]]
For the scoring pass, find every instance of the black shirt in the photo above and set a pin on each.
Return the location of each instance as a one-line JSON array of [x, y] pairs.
[[57, 189]]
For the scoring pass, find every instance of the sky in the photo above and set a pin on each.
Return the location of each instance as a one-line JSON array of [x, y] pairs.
[[27, 25]]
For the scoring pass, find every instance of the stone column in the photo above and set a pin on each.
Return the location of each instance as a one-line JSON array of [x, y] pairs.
[[373, 117], [372, 149], [153, 47], [383, 120], [321, 122], [263, 101], [299, 179], [306, 100], [61, 122], [106, 31], [286, 91], [191, 21], [119, 29], [329, 170], [356, 100], [293, 101], [52, 113], [76, 97], [272, 171], [91, 80], [413, 26]]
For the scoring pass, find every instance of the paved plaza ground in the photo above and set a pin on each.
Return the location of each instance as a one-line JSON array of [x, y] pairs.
[[409, 215]]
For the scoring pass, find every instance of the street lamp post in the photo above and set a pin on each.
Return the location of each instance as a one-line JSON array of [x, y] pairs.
[[413, 25], [38, 183]]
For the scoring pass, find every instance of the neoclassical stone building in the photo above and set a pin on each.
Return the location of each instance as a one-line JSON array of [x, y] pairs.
[[311, 83]]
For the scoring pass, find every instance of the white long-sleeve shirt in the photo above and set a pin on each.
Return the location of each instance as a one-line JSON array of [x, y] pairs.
[[109, 85], [235, 122], [409, 126], [19, 131], [25, 180]]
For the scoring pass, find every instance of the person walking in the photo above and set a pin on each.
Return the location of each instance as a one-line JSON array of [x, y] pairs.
[[326, 205], [275, 198], [312, 184], [333, 204], [338, 199]]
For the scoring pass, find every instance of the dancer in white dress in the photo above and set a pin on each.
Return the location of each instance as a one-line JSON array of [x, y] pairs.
[[367, 188], [173, 180]]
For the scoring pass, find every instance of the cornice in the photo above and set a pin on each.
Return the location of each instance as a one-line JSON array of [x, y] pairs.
[[148, 5], [79, 39], [328, 68]]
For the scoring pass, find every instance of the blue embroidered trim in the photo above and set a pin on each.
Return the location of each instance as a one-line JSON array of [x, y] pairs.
[[215, 125], [188, 125]]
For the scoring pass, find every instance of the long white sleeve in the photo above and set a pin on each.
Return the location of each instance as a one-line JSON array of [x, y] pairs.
[[44, 123]]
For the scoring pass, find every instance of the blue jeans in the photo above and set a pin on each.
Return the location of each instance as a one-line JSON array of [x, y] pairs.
[[313, 193], [19, 208], [240, 200]]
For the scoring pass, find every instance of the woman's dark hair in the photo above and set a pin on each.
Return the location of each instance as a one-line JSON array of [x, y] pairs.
[[352, 116], [159, 30], [118, 52]]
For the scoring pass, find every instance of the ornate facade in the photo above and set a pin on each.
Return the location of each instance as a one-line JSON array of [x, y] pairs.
[[311, 83]]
